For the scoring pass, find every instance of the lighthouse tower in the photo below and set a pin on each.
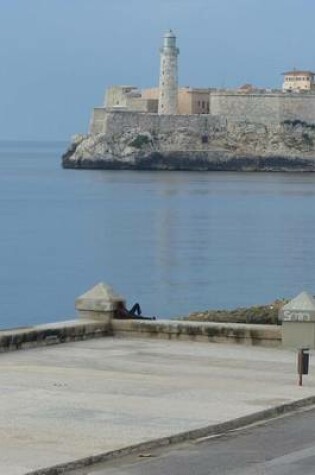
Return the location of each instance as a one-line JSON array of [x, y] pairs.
[[168, 75]]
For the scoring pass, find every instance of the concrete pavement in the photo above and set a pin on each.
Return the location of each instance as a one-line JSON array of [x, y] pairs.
[[70, 401]]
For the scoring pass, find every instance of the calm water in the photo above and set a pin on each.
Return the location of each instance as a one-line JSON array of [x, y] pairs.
[[177, 242]]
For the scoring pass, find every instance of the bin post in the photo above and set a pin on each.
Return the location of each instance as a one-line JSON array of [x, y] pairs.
[[302, 363]]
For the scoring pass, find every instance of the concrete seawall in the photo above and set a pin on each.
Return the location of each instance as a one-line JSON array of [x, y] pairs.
[[53, 333], [246, 334], [78, 330]]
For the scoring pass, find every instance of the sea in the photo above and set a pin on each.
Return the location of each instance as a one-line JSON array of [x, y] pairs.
[[177, 242]]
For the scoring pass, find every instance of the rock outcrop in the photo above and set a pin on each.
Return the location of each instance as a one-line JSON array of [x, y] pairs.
[[289, 146]]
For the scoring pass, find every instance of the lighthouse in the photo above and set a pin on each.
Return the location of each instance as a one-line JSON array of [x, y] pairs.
[[168, 87]]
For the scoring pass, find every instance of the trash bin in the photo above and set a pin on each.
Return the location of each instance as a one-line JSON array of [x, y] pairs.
[[303, 361]]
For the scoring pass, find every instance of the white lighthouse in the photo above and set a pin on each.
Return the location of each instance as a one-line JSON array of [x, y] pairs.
[[168, 88]]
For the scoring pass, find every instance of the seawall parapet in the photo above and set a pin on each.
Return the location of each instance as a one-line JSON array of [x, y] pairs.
[[53, 333], [236, 333], [78, 330]]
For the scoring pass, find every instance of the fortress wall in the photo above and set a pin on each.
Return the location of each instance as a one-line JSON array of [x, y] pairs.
[[142, 105], [263, 108], [98, 121], [266, 109], [117, 122], [300, 107], [249, 107]]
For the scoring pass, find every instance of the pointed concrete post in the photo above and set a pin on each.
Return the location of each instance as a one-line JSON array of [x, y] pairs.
[[99, 303], [298, 322]]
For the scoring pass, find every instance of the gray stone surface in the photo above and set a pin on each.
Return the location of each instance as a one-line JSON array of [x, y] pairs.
[[70, 401]]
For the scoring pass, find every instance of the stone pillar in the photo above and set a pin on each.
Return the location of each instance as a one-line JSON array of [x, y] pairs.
[[99, 303], [168, 88], [298, 322]]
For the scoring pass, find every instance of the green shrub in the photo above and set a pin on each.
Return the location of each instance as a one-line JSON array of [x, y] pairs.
[[140, 141]]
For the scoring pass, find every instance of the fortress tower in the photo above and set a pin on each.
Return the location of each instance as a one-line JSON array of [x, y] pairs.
[[168, 88]]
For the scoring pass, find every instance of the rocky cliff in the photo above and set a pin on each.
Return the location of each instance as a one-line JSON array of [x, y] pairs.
[[289, 146]]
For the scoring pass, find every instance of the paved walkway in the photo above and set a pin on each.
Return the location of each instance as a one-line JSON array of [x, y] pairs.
[[70, 401]]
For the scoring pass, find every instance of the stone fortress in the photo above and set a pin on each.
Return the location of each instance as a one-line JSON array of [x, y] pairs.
[[186, 128], [296, 100]]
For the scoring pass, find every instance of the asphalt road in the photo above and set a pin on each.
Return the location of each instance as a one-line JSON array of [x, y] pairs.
[[285, 446]]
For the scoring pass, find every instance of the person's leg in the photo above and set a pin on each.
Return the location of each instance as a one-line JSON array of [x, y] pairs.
[[135, 310]]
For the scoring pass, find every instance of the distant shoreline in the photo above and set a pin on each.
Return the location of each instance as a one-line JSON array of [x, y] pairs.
[[257, 314]]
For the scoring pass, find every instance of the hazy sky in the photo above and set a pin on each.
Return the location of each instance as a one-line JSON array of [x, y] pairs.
[[58, 56]]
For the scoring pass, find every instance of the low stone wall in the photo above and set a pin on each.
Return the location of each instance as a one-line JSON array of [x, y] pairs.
[[52, 334], [78, 330], [238, 333]]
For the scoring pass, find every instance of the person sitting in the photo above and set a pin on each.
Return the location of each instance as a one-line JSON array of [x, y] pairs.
[[123, 313]]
